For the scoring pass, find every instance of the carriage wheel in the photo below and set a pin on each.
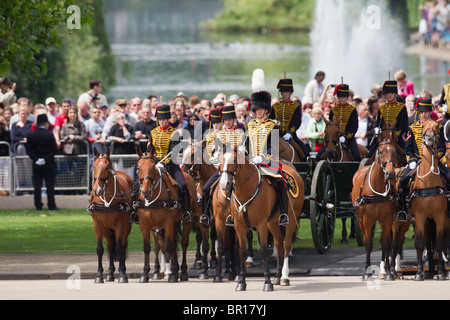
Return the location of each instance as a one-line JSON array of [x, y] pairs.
[[323, 206], [359, 235]]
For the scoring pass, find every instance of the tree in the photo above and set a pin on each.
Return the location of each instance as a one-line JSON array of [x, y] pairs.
[[29, 27]]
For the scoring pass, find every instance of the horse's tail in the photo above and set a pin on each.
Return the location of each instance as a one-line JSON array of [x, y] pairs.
[[114, 251]]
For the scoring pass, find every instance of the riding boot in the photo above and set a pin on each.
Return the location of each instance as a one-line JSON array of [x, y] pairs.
[[402, 214], [284, 218], [134, 217], [187, 207], [205, 217]]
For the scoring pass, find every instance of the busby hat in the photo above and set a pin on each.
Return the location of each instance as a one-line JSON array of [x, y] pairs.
[[227, 112], [285, 85], [163, 112], [214, 116], [390, 87], [42, 119], [342, 91], [260, 97], [424, 105]]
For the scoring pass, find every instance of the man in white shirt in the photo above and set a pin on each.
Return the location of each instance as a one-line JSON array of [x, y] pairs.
[[92, 97], [314, 89], [7, 94], [52, 109]]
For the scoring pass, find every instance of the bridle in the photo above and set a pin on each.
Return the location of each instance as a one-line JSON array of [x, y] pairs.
[[155, 182], [104, 180]]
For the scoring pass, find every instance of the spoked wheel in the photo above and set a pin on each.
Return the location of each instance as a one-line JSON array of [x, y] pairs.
[[323, 206]]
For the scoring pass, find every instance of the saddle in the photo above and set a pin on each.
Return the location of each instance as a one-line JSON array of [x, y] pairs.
[[289, 180]]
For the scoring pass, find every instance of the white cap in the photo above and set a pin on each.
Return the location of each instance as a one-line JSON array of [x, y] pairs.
[[50, 100]]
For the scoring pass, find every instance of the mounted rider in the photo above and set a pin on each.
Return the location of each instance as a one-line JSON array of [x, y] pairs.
[[224, 140], [390, 112], [413, 150], [346, 117], [289, 114], [262, 150], [162, 140]]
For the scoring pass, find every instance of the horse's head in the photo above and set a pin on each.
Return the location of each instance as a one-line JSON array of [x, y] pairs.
[[229, 164], [147, 173], [385, 156], [387, 131], [102, 169], [192, 157], [331, 138], [430, 133]]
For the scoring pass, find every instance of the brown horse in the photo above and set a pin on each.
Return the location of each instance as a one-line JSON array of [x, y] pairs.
[[373, 196], [160, 213], [254, 204], [428, 203], [290, 152], [110, 205]]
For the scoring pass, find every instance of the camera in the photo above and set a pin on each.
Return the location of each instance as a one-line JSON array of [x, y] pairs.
[[94, 97]]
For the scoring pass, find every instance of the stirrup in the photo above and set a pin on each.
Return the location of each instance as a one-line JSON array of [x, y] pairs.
[[186, 217], [204, 220], [283, 220], [229, 222], [401, 216]]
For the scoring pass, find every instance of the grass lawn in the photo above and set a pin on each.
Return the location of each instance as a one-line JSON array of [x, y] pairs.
[[70, 231]]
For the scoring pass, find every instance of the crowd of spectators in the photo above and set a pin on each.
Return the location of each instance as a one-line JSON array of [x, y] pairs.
[[434, 26]]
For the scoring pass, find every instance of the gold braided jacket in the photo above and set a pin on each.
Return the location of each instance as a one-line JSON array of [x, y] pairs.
[[389, 112], [210, 137], [284, 111], [230, 137], [341, 115], [161, 142], [258, 132]]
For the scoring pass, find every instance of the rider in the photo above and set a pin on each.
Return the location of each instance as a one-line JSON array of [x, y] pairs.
[[413, 152], [346, 117], [215, 124], [163, 139], [289, 114], [224, 139], [390, 111], [260, 147]]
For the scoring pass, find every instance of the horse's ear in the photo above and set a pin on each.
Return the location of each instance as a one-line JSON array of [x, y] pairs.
[[439, 120], [138, 149], [96, 154], [326, 121], [382, 123], [151, 150], [107, 152]]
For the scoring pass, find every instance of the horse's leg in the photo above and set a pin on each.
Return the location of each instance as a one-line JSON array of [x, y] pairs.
[[242, 230], [122, 243], [440, 244], [386, 244], [282, 274], [171, 250], [187, 228], [110, 240], [157, 275], [344, 231], [419, 242], [145, 231], [198, 255], [430, 237], [249, 260], [263, 235], [213, 254], [205, 248], [100, 250], [220, 253], [366, 227]]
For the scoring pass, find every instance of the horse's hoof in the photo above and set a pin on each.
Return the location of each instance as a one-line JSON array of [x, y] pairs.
[[389, 277], [249, 264], [344, 241], [428, 275], [241, 286], [198, 265], [218, 279], [441, 277], [268, 286], [203, 276], [227, 276], [143, 279], [123, 279], [173, 278], [99, 280], [418, 277], [285, 283], [276, 281], [184, 277], [157, 276], [110, 278], [367, 277], [213, 264]]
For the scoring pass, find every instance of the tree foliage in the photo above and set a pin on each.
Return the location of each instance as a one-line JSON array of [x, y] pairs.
[[29, 27]]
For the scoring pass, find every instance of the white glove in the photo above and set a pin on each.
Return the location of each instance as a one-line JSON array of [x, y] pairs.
[[444, 108], [215, 157], [160, 166], [342, 139], [377, 131], [241, 149], [40, 162], [287, 137], [257, 160], [413, 165]]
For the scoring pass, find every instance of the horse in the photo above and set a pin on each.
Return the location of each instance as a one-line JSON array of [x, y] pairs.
[[373, 196], [335, 152], [160, 214], [290, 152], [428, 204], [254, 203], [110, 205]]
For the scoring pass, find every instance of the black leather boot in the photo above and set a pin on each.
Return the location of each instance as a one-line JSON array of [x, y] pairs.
[[205, 217], [283, 220], [402, 214]]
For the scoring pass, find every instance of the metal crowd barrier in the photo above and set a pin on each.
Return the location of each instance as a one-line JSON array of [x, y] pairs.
[[6, 169]]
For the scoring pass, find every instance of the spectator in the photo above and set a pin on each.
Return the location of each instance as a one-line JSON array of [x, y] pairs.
[[73, 133], [234, 99], [41, 148], [145, 126], [61, 119], [301, 132], [326, 111], [7, 114], [91, 98], [52, 109], [153, 104], [409, 104], [5, 136], [405, 87], [104, 112], [7, 92], [373, 105], [315, 130], [120, 135], [366, 128], [5, 178], [136, 105], [22, 103], [120, 107], [37, 110], [241, 114], [307, 108], [190, 127], [314, 88], [20, 130], [94, 126]]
